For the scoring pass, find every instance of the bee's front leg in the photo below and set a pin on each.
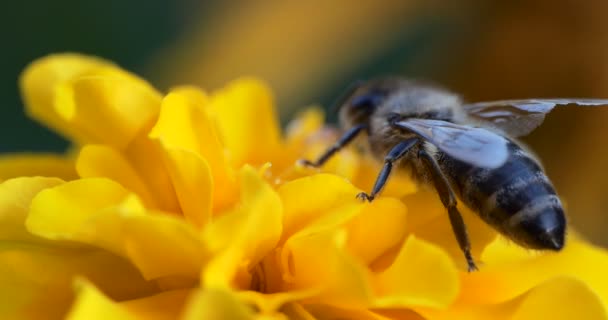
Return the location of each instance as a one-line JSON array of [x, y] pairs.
[[396, 153]]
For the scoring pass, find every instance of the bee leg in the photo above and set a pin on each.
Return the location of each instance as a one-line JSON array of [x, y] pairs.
[[345, 139], [446, 194], [395, 154]]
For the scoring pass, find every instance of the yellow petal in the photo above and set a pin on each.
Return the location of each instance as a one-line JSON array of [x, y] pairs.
[[107, 106], [92, 304], [295, 311], [163, 306], [247, 120], [422, 275], [385, 214], [180, 120], [184, 124], [61, 213], [306, 138], [318, 261], [557, 298], [147, 158], [36, 280], [103, 161], [272, 303], [246, 234], [102, 213], [509, 270], [309, 198], [267, 276], [40, 79], [216, 304], [28, 263], [193, 184], [193, 93], [32, 164], [562, 299], [162, 246], [303, 126], [399, 313], [325, 311], [15, 198]]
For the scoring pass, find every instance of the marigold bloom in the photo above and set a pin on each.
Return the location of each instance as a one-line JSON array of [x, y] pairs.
[[189, 206]]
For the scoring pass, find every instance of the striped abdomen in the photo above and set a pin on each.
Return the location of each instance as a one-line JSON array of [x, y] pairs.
[[517, 199]]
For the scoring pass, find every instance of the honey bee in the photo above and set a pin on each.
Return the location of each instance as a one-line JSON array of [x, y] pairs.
[[466, 151]]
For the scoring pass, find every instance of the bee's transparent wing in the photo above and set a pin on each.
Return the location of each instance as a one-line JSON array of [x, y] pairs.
[[477, 146], [520, 117]]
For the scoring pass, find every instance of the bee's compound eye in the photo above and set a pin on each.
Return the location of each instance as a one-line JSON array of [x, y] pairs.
[[367, 100]]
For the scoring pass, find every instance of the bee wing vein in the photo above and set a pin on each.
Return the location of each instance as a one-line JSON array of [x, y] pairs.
[[520, 117]]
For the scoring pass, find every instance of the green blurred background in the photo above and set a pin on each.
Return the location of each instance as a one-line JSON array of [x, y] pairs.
[[308, 51], [128, 32]]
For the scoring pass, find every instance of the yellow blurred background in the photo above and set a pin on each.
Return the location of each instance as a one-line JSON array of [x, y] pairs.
[[485, 50], [308, 51]]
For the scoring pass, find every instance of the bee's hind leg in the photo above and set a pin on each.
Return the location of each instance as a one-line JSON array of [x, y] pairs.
[[446, 194], [344, 140], [396, 153]]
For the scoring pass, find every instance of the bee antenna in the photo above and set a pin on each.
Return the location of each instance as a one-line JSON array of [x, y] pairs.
[[335, 106]]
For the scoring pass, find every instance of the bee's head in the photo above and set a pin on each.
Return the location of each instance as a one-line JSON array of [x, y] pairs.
[[361, 99], [382, 97]]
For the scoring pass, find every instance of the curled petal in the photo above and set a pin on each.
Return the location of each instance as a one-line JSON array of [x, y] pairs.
[[40, 79], [88, 99], [107, 106], [248, 124]]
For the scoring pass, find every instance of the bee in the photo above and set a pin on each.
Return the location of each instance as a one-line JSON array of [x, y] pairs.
[[468, 152]]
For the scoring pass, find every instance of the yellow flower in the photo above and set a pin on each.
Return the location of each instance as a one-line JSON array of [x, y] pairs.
[[189, 206]]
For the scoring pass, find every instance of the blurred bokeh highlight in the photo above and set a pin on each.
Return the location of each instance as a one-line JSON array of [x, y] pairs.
[[308, 51]]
